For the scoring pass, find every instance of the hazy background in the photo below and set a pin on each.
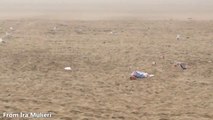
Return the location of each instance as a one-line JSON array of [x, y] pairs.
[[99, 9]]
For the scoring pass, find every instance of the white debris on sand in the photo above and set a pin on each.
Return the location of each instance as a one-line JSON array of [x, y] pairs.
[[54, 29], [178, 37], [113, 33], [11, 28], [153, 63], [1, 40], [68, 68], [151, 75]]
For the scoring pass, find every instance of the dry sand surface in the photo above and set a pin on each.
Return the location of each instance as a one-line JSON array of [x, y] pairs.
[[102, 54]]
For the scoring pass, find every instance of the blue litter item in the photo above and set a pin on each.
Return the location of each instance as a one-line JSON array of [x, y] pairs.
[[139, 74]]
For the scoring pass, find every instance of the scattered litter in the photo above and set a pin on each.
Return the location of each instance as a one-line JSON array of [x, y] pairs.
[[54, 29], [182, 65], [1, 40], [178, 37], [67, 68], [162, 57], [151, 75], [113, 33], [139, 75], [153, 63], [11, 28]]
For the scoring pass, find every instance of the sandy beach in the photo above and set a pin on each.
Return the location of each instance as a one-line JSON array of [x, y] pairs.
[[102, 50], [102, 54]]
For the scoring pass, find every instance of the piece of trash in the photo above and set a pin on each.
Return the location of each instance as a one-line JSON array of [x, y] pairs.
[[209, 61], [67, 68], [182, 65], [113, 33], [54, 29], [153, 63], [139, 75], [151, 75], [11, 28], [178, 37], [162, 57], [1, 40]]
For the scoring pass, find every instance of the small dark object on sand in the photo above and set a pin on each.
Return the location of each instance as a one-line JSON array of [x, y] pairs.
[[183, 66]]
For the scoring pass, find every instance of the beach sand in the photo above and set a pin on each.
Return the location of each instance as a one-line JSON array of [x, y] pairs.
[[101, 43], [102, 55]]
